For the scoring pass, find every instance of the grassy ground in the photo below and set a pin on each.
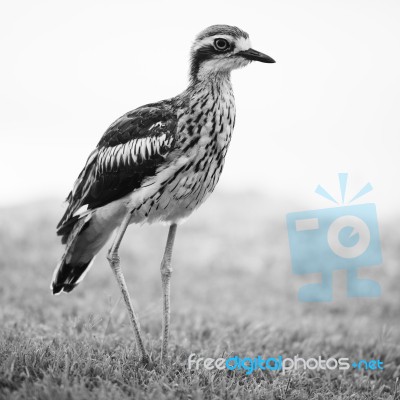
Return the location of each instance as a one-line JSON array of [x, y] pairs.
[[232, 294]]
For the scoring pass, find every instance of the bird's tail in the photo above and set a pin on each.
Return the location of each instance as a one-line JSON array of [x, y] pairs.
[[84, 237]]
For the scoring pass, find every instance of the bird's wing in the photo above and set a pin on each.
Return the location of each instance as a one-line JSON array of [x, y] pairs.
[[129, 152]]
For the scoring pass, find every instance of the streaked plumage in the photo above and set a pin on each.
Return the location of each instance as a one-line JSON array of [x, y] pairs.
[[158, 162]]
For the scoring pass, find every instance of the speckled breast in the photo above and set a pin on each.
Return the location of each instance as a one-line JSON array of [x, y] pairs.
[[204, 131]]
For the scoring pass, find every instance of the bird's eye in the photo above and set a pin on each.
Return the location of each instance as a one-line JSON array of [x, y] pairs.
[[221, 44]]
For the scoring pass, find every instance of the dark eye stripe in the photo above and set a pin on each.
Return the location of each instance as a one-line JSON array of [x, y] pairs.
[[205, 53]]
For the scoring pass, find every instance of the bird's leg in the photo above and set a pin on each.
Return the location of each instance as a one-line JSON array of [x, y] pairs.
[[166, 272], [114, 261]]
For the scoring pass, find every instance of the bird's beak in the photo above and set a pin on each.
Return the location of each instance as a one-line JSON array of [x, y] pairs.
[[255, 55]]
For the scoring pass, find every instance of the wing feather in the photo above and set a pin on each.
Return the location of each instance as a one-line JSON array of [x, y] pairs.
[[130, 151]]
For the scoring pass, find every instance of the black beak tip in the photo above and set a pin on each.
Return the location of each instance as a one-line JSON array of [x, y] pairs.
[[268, 60]]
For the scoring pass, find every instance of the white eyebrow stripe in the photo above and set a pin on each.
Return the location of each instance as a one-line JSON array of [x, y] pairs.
[[242, 44]]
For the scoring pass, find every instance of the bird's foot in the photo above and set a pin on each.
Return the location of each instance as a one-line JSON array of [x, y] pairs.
[[147, 362]]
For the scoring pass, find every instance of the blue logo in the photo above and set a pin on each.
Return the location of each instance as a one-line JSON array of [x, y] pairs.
[[342, 237], [251, 364]]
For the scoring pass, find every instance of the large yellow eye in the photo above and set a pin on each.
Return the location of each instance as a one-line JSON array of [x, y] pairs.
[[221, 44]]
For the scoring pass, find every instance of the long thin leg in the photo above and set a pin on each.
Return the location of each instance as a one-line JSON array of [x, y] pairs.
[[114, 261], [166, 272]]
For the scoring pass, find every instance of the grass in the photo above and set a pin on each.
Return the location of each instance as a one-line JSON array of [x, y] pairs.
[[232, 294]]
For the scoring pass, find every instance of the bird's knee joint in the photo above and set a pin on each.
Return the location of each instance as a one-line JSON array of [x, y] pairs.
[[113, 258], [166, 270]]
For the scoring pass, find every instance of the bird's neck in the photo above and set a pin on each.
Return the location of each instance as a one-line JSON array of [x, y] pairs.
[[211, 78], [216, 87], [207, 110]]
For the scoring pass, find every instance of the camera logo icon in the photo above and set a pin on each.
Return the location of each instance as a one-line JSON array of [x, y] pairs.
[[343, 237]]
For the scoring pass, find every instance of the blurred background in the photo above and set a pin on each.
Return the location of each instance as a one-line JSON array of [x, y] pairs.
[[329, 105]]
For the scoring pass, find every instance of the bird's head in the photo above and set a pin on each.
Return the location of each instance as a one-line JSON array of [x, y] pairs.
[[220, 49]]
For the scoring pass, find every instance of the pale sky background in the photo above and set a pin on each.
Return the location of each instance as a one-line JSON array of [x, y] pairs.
[[330, 104]]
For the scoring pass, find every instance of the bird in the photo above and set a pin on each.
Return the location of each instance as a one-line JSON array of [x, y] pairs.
[[157, 163]]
